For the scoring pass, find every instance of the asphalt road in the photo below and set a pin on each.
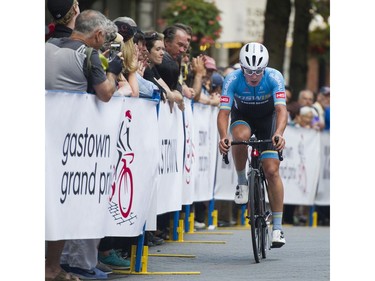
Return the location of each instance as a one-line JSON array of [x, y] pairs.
[[226, 254]]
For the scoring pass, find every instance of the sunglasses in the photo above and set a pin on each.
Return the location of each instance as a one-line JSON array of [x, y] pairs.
[[251, 72]]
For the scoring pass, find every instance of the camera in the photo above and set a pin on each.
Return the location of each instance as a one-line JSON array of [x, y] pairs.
[[115, 48]]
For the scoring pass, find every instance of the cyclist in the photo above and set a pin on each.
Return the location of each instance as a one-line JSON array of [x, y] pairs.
[[254, 96]]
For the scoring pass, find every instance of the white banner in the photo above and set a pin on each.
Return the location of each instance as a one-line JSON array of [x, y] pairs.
[[323, 192], [190, 160], [85, 140], [206, 138], [110, 167], [171, 142], [226, 178], [300, 168]]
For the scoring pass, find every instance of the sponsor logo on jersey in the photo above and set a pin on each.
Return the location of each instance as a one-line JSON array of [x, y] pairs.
[[280, 95], [224, 99]]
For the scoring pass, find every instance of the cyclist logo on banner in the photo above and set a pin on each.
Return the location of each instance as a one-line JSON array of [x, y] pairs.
[[121, 197], [189, 153]]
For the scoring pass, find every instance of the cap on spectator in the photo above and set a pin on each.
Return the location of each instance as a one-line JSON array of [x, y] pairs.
[[237, 66], [216, 80], [210, 63], [125, 30], [325, 90], [130, 22], [59, 8]]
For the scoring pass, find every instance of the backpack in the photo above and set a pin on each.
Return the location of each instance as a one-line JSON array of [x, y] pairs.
[[88, 53]]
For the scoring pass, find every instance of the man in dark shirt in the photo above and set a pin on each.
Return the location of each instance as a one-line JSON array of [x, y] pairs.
[[176, 44]]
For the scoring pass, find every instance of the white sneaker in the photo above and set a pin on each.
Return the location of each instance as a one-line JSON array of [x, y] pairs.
[[199, 225], [278, 239], [242, 194]]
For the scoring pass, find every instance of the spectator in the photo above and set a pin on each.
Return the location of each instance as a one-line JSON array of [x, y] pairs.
[[306, 98], [66, 68], [204, 96], [216, 88], [176, 44], [64, 13], [195, 71], [216, 83], [155, 50], [322, 102], [291, 106], [138, 37], [147, 89], [128, 78], [305, 117], [210, 66]]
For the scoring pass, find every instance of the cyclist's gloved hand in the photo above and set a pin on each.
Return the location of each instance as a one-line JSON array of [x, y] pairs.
[[115, 66]]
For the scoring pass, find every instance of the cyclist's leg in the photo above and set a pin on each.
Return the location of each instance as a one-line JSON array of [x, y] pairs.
[[240, 130], [275, 185], [271, 164]]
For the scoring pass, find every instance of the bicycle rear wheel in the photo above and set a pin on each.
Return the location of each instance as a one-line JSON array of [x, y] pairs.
[[254, 220]]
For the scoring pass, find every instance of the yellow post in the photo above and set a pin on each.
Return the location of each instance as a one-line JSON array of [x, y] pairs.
[[132, 258], [214, 217], [246, 218], [239, 217], [180, 230], [315, 219], [191, 222], [144, 259]]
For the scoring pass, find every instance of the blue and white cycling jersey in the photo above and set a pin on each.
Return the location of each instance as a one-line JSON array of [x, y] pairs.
[[253, 102]]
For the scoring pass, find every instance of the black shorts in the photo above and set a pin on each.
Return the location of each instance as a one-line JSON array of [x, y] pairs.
[[262, 128]]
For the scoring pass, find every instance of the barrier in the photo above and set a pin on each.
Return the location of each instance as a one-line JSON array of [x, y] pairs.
[[116, 165]]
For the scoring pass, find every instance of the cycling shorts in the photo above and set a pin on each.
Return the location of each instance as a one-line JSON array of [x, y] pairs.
[[262, 128]]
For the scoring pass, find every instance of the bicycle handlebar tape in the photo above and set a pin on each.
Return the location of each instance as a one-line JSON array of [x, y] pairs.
[[115, 65], [281, 157], [225, 156]]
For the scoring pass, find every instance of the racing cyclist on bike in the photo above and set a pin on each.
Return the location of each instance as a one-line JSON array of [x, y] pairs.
[[254, 96]]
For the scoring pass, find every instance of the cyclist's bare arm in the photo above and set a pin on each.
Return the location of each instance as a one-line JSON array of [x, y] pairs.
[[222, 125], [281, 122]]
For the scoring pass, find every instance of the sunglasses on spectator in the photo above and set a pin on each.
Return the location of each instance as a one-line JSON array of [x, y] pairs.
[[251, 72]]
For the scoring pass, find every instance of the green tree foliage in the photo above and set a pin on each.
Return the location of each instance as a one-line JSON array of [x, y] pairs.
[[202, 17]]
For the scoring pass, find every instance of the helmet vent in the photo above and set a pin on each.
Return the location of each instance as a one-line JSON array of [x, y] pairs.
[[247, 60], [254, 60], [260, 60]]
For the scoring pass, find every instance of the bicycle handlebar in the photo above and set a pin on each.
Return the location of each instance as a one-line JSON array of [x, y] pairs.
[[251, 143], [225, 156]]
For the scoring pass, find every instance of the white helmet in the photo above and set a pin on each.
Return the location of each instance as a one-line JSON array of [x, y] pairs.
[[254, 56]]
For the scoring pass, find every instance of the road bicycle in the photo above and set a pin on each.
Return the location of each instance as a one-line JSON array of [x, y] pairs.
[[258, 211]]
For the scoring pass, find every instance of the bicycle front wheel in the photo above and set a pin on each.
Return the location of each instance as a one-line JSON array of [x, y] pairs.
[[260, 190], [253, 215]]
